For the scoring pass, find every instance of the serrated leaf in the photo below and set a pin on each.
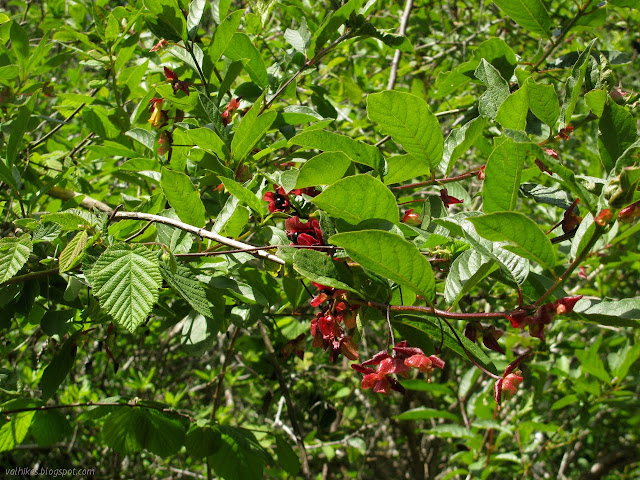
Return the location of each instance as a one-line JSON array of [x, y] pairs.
[[466, 271], [529, 14], [332, 142], [497, 89], [188, 287], [502, 176], [409, 121], [58, 369], [358, 198], [72, 219], [391, 256], [131, 429], [323, 169], [73, 252], [126, 280], [183, 197], [526, 237], [14, 253], [320, 268], [46, 232]]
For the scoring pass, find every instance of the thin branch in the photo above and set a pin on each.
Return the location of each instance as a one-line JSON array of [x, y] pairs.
[[35, 143], [431, 310], [30, 276], [285, 393], [133, 404], [396, 56], [217, 398], [87, 202], [560, 38], [435, 181], [200, 232]]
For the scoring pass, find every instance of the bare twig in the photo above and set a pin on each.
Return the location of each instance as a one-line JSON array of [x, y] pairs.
[[396, 56], [201, 232]]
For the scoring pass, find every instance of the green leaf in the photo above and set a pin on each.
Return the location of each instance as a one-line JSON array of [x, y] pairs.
[[129, 430], [497, 89], [126, 281], [300, 38], [198, 333], [239, 456], [617, 313], [72, 219], [250, 131], [596, 100], [332, 142], [529, 14], [584, 233], [202, 440], [165, 19], [50, 427], [19, 127], [15, 430], [224, 35], [208, 139], [142, 136], [19, 42], [243, 194], [331, 25], [391, 256], [73, 252], [183, 197], [196, 9], [404, 167], [617, 132], [59, 368], [574, 86], [502, 176], [466, 271], [287, 457], [543, 102], [320, 268], [14, 253], [526, 237], [242, 47], [409, 121], [513, 111], [323, 169], [359, 198], [423, 413], [188, 287], [432, 327], [515, 267], [459, 141], [592, 364]]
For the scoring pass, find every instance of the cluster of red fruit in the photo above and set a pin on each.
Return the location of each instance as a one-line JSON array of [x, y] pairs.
[[327, 326], [543, 316]]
